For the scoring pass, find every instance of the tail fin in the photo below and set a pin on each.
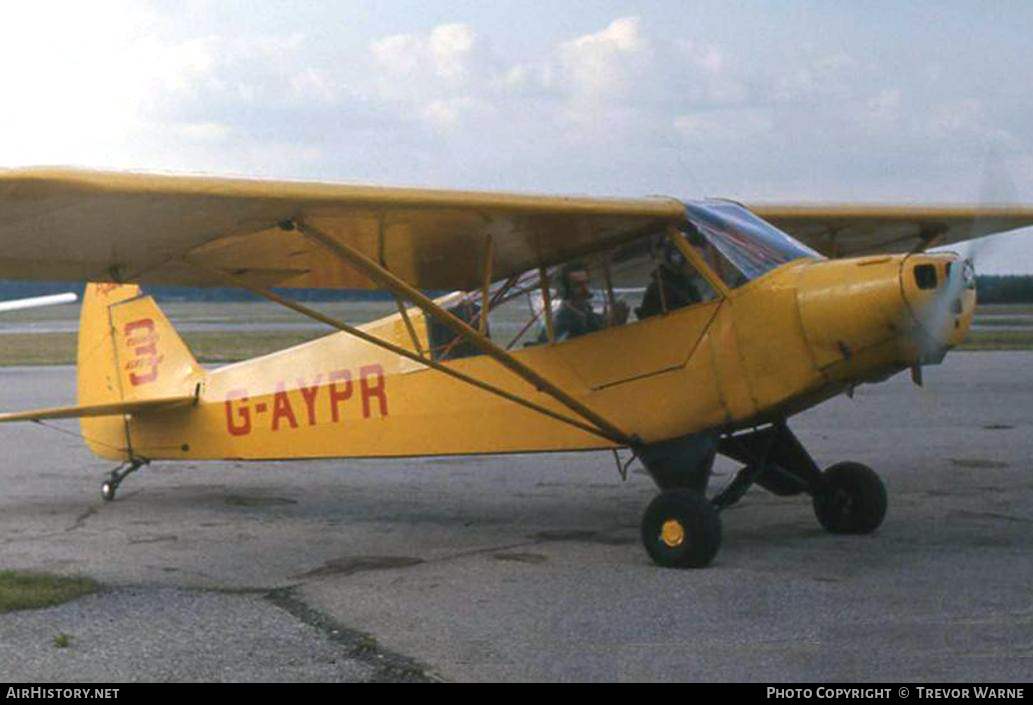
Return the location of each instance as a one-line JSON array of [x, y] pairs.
[[128, 352]]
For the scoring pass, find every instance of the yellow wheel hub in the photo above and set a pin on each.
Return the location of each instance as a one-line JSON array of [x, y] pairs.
[[672, 533]]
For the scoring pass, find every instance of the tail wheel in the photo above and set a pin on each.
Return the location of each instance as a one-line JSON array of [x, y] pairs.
[[681, 529], [852, 500]]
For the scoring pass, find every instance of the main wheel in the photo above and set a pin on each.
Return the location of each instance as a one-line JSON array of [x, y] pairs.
[[681, 529], [107, 491], [853, 500]]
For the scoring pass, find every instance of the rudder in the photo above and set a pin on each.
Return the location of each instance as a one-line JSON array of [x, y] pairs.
[[127, 351]]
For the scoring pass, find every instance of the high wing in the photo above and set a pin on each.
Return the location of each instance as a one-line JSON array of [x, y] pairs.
[[847, 230], [115, 226], [127, 227]]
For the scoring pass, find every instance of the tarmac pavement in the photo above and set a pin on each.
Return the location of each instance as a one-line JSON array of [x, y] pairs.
[[529, 567]]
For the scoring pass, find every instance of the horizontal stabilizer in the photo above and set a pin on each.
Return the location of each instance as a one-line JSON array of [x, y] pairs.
[[111, 409]]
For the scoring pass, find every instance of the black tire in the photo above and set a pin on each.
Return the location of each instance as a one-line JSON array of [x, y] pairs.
[[852, 501], [681, 529], [107, 491]]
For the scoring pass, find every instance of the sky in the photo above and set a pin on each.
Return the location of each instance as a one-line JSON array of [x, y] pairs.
[[778, 100]]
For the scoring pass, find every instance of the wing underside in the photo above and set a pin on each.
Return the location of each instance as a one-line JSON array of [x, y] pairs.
[[67, 224], [102, 226], [849, 230]]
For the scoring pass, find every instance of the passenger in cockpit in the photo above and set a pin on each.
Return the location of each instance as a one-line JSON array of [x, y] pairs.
[[671, 286]]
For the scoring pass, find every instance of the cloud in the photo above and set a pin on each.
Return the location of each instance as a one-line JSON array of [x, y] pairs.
[[952, 118], [611, 106], [201, 131], [216, 70], [451, 48], [881, 111], [439, 77], [399, 53], [447, 113], [601, 65], [109, 90], [446, 54], [450, 75], [725, 125], [817, 78]]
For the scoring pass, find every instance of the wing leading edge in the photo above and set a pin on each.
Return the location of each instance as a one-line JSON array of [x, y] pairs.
[[128, 227], [105, 226], [845, 230]]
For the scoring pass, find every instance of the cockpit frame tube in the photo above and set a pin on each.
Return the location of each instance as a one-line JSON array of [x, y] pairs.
[[677, 238]]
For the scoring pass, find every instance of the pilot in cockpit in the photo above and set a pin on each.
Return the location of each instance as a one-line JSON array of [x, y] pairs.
[[575, 316]]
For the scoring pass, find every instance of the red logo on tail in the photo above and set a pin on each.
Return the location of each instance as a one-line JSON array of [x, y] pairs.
[[143, 341]]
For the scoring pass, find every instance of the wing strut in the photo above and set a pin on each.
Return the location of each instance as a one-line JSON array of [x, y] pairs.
[[403, 352], [399, 287], [409, 326]]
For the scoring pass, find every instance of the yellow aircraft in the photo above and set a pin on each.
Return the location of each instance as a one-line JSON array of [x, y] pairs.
[[677, 330]]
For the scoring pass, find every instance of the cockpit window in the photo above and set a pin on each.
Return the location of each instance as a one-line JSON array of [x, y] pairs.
[[636, 280], [630, 282], [753, 246]]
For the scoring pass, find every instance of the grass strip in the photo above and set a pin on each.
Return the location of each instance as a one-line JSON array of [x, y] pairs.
[[25, 591], [207, 346], [232, 346], [998, 340]]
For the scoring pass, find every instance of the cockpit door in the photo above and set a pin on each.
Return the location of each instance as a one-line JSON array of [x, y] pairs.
[[640, 348]]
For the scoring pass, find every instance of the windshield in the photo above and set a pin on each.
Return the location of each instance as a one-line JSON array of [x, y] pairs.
[[751, 245]]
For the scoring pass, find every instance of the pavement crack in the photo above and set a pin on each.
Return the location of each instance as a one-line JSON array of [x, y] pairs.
[[538, 539], [993, 515], [81, 519], [358, 564], [388, 666]]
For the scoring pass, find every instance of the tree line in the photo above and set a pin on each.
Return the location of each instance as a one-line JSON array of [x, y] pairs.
[[990, 289], [1004, 289], [14, 289]]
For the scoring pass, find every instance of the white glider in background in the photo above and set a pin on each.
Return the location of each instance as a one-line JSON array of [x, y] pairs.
[[36, 301]]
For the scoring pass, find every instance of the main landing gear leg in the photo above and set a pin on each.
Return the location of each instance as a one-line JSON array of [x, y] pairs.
[[115, 477], [681, 528], [849, 498]]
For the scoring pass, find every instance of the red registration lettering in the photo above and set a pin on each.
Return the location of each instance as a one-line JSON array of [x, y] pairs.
[[339, 394], [371, 380], [238, 422], [140, 336], [282, 408], [339, 388], [309, 395]]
